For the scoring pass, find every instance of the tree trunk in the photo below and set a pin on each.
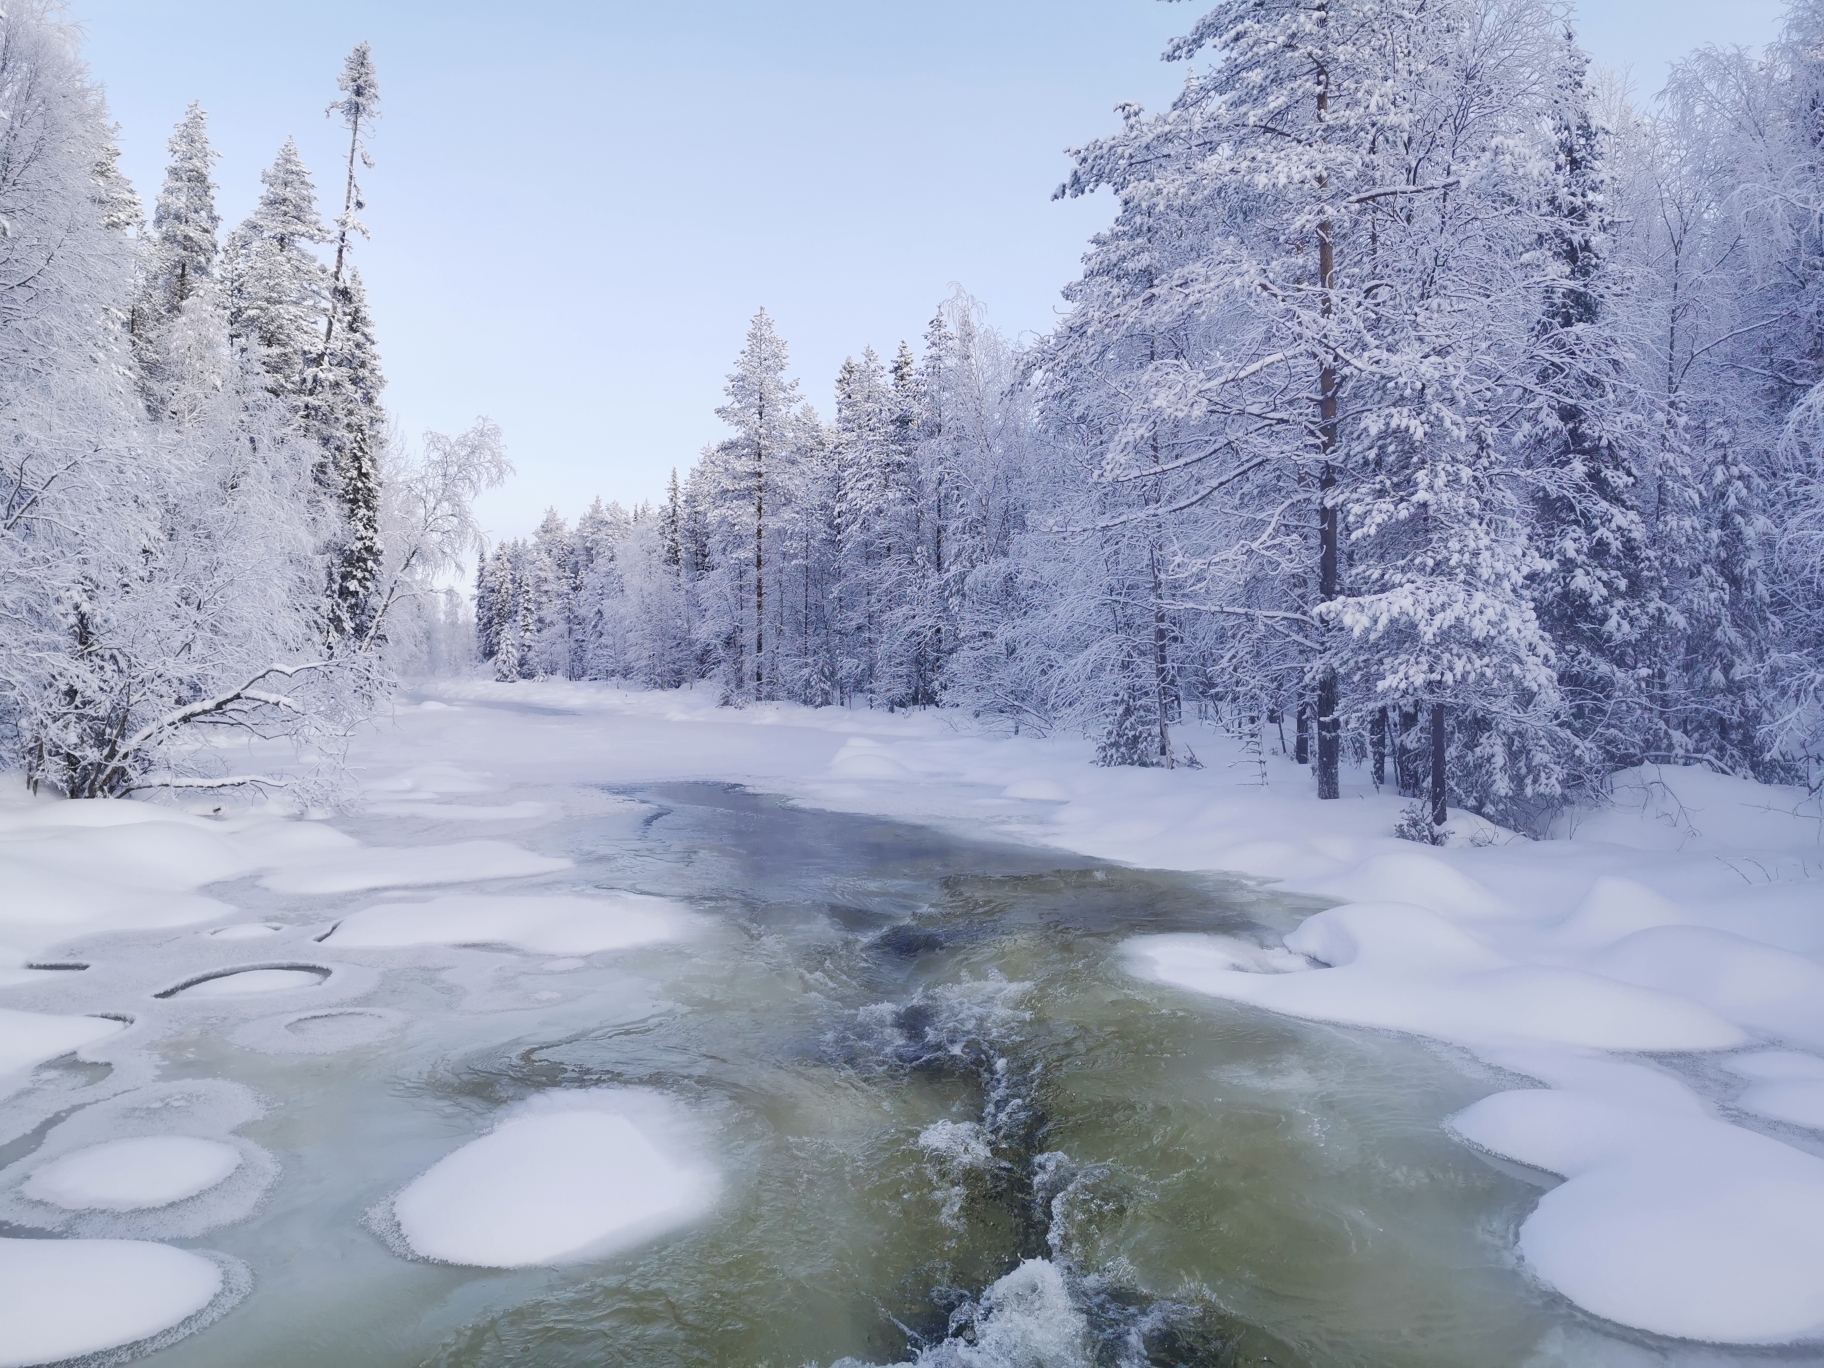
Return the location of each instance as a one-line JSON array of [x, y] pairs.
[[1329, 726], [760, 565], [1377, 740], [1440, 813], [1405, 753], [1301, 746]]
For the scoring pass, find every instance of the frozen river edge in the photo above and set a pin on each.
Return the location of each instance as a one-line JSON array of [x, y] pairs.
[[1660, 972]]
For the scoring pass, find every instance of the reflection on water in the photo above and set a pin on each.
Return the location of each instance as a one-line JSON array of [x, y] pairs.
[[951, 1129]]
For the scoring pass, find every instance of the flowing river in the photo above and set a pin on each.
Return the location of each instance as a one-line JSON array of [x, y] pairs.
[[951, 1128]]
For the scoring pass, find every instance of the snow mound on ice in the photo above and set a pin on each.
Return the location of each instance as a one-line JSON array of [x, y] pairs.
[[541, 925], [158, 1162], [1669, 1220], [60, 1299], [30, 1038], [400, 866], [130, 1175], [566, 1177]]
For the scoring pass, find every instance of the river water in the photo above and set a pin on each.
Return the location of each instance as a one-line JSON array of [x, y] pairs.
[[952, 1129]]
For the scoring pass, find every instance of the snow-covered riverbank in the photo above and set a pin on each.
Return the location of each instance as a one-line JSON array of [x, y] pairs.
[[1661, 972]]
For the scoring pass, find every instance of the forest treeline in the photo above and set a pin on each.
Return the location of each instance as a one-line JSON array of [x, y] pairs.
[[1426, 401], [209, 530]]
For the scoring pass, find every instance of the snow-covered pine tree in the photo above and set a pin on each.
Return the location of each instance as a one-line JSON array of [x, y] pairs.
[[277, 289], [184, 220], [1727, 354], [762, 409], [858, 442], [117, 202], [180, 259], [1595, 594], [1437, 610], [341, 412]]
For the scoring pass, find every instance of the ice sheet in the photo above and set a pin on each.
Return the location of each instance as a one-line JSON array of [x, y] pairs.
[[462, 862], [555, 925]]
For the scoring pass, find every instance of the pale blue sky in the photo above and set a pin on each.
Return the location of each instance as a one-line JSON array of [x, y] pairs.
[[577, 206]]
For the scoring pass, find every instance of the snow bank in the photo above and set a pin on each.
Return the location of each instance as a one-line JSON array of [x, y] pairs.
[[60, 1299], [128, 1175], [1405, 968], [1669, 1220], [554, 925], [566, 1177]]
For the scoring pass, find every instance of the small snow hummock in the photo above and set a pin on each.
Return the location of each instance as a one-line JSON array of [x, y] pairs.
[[555, 925], [62, 1299], [133, 1174], [567, 1176]]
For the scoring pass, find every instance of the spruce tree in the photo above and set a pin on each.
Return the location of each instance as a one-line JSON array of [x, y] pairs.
[[1593, 592], [342, 414], [277, 289], [762, 408], [184, 220]]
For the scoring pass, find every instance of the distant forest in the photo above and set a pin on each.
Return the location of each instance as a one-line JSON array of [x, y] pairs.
[[1426, 403]]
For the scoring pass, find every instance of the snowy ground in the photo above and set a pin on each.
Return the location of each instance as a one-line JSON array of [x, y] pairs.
[[1654, 985]]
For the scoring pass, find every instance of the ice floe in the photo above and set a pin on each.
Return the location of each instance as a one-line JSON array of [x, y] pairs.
[[567, 1176]]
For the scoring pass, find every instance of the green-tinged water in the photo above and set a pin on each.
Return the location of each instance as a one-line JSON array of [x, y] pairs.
[[921, 1068]]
